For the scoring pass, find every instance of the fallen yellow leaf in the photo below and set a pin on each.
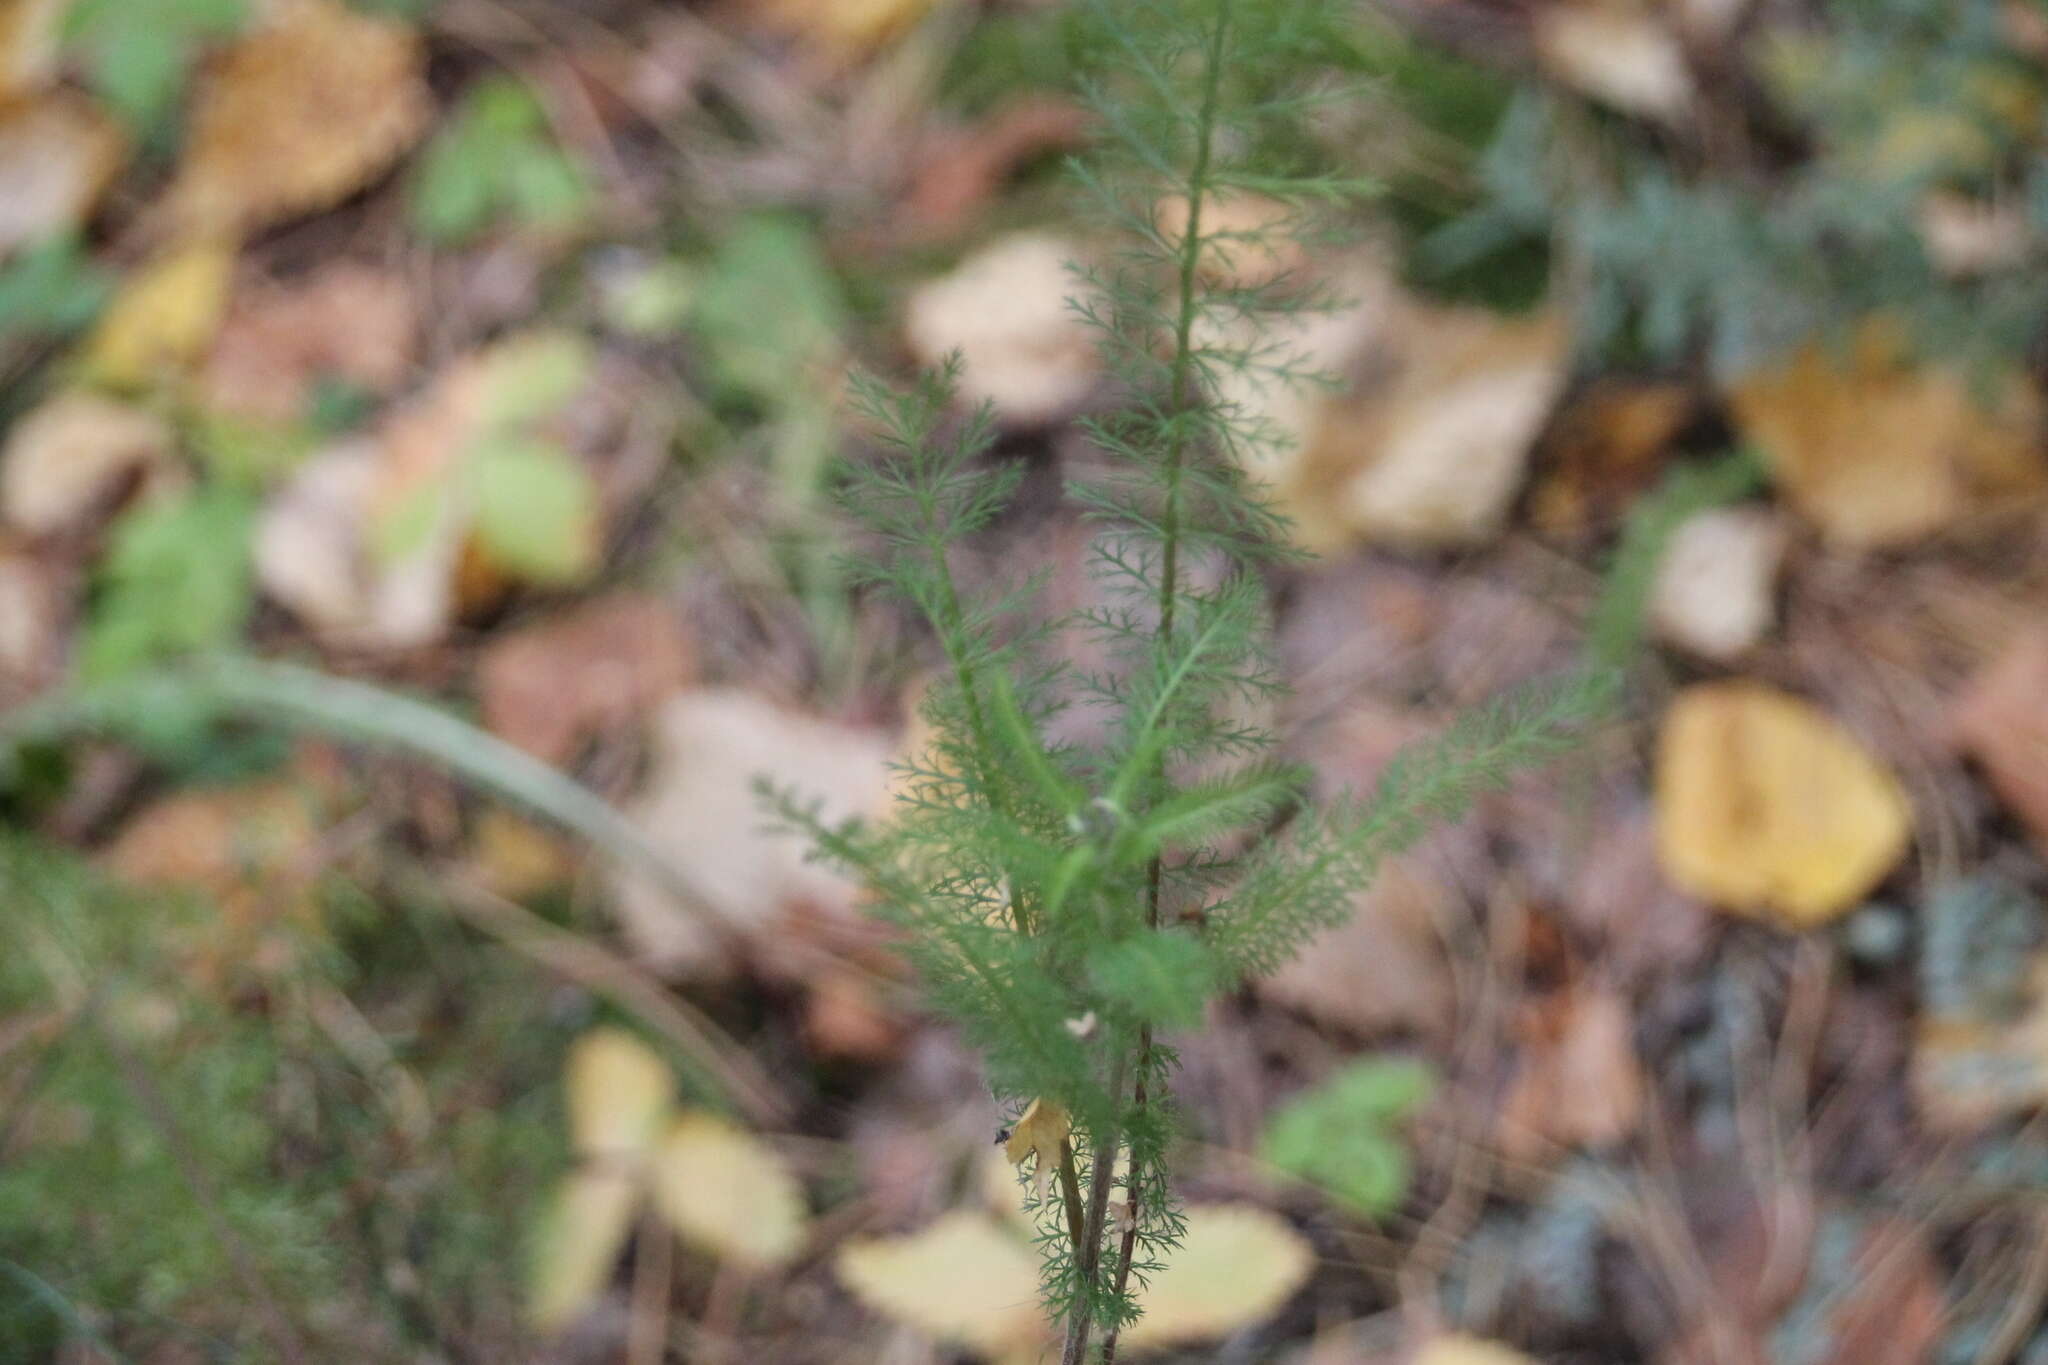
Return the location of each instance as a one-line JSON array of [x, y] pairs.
[[964, 1279], [1877, 452], [1041, 1130], [1765, 804], [164, 318], [299, 114], [619, 1093], [1234, 1266], [577, 1244], [726, 1191]]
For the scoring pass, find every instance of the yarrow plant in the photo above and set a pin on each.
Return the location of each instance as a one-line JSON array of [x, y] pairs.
[[1070, 904]]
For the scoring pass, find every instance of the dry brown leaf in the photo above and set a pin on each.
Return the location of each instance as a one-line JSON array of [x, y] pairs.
[[578, 1243], [72, 457], [252, 851], [1603, 450], [958, 176], [701, 808], [345, 320], [2001, 722], [1766, 805], [58, 153], [300, 113], [1432, 451], [164, 318], [1004, 310], [549, 687], [30, 629], [846, 1019], [1580, 1083], [1235, 1266], [1878, 453], [1716, 585], [727, 1192], [619, 1093], [964, 1279]]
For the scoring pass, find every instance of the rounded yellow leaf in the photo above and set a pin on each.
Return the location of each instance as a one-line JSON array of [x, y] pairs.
[[1235, 1265], [578, 1243], [964, 1279], [163, 319], [724, 1190], [299, 114], [1458, 1349], [1765, 804], [619, 1093]]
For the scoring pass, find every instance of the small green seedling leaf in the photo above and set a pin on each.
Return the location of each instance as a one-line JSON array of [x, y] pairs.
[[1344, 1135]]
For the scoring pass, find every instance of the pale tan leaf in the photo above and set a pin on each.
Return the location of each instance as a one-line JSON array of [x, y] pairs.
[[300, 113], [314, 556], [701, 807], [577, 1244], [57, 155], [619, 1093], [66, 460], [1235, 1266], [1766, 805], [1432, 450], [164, 318], [1716, 586], [1248, 243], [724, 1190], [964, 1279], [1455, 1348], [1622, 54], [1004, 310]]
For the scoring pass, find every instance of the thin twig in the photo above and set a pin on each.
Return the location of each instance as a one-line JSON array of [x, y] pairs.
[[597, 968]]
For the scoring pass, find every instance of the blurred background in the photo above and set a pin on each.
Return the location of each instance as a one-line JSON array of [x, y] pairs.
[[416, 431]]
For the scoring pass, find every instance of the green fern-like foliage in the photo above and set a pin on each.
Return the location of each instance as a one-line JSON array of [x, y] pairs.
[[1069, 905]]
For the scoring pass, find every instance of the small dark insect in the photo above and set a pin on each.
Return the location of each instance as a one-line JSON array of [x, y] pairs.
[[1002, 1136]]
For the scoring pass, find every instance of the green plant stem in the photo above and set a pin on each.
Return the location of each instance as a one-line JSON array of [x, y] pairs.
[[1169, 595], [304, 698]]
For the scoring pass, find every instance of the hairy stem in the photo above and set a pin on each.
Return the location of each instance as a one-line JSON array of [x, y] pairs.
[[1169, 586]]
